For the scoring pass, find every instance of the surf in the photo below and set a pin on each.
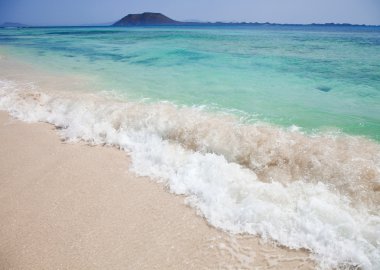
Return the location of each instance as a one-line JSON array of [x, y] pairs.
[[318, 191]]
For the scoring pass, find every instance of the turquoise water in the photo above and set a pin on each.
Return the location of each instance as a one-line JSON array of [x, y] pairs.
[[317, 192], [318, 78]]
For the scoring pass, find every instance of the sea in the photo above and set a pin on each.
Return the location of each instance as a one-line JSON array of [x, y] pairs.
[[268, 130]]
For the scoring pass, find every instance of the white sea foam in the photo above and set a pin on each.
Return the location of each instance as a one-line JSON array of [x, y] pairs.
[[315, 192]]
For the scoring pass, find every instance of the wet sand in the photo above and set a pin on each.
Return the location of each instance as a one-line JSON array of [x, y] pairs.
[[73, 206]]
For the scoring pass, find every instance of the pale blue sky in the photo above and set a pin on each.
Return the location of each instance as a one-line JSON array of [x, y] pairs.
[[73, 12]]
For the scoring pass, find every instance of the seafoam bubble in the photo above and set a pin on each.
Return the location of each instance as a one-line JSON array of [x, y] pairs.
[[318, 192]]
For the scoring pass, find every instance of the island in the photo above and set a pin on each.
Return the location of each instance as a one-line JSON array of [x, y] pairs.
[[146, 18], [157, 19]]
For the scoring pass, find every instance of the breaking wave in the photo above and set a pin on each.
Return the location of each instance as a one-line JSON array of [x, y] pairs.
[[314, 191]]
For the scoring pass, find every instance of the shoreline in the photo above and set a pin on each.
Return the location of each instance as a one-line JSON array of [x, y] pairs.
[[213, 161], [214, 166], [78, 207]]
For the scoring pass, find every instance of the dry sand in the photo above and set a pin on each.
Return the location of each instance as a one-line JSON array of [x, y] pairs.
[[72, 206]]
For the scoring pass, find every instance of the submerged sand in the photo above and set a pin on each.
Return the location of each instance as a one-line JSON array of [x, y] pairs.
[[73, 206]]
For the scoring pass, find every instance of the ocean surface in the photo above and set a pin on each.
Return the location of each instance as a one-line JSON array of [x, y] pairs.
[[268, 130]]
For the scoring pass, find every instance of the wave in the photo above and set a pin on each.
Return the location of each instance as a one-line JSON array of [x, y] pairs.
[[314, 191]]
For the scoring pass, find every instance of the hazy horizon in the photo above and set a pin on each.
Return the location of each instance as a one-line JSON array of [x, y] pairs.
[[53, 12]]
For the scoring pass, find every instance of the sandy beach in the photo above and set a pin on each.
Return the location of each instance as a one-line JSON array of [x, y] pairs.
[[73, 206], [195, 135]]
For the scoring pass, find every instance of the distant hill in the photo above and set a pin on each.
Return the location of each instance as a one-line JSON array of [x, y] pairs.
[[151, 19], [13, 24], [146, 18]]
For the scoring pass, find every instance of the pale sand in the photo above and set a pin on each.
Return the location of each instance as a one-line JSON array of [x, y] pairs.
[[72, 206]]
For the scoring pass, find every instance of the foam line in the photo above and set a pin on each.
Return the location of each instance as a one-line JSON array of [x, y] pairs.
[[318, 192]]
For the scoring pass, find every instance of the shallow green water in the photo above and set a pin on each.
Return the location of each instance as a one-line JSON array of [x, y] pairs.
[[318, 78]]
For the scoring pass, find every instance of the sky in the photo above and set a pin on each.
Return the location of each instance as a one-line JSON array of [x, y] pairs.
[[79, 12]]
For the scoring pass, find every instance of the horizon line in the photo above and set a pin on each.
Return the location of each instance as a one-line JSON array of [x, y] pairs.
[[188, 23]]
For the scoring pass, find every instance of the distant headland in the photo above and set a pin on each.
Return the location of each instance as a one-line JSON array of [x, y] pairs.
[[13, 24]]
